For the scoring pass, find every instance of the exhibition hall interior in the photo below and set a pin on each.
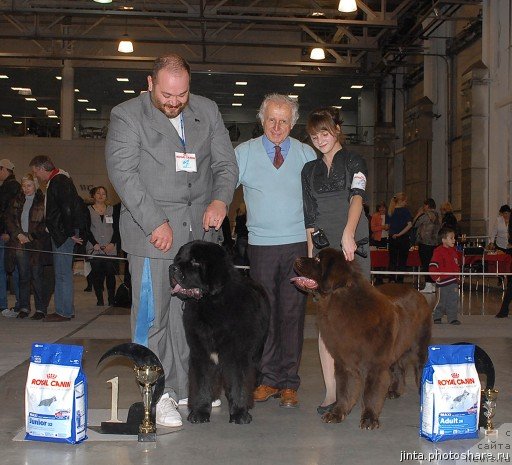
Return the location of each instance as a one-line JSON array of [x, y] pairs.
[[423, 89]]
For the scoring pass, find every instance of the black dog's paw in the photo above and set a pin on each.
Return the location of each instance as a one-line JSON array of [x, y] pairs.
[[369, 420], [240, 418], [199, 417]]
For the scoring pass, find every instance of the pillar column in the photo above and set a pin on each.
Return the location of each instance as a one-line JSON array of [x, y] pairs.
[[67, 101]]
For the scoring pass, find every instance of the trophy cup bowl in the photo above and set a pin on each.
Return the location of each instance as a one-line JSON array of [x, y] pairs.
[[490, 397], [147, 376]]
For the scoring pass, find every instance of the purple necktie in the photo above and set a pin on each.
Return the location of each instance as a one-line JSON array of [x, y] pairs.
[[278, 157]]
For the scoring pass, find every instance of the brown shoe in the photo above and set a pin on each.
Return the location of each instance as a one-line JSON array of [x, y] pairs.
[[55, 318], [263, 393], [289, 398]]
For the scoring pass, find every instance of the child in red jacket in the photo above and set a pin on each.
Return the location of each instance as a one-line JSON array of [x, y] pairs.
[[446, 259]]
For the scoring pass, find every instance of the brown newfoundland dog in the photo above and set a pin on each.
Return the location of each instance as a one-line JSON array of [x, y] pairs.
[[371, 333]]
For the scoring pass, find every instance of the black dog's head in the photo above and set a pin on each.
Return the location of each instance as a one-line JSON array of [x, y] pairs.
[[200, 269], [324, 273]]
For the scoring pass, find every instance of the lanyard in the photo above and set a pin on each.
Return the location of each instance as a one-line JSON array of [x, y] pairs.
[[182, 137]]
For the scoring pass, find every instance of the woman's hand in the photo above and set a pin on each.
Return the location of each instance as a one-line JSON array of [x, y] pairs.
[[23, 239], [109, 248], [348, 245], [96, 247]]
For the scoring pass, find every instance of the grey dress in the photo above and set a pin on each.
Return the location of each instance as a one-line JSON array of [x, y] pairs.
[[327, 195]]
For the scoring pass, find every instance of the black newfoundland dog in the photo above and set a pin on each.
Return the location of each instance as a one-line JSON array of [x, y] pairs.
[[226, 318]]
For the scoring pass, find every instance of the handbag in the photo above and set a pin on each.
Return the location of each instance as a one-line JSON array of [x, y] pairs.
[[319, 239]]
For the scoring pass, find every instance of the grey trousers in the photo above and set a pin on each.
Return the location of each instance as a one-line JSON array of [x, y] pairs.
[[167, 335], [448, 302]]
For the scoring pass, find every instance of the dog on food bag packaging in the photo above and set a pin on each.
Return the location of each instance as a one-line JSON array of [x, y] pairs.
[[450, 394], [56, 394]]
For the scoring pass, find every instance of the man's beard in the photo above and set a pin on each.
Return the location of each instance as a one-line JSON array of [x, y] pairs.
[[168, 110]]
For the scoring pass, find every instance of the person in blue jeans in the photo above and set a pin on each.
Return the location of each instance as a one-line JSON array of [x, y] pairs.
[[66, 222], [27, 230], [9, 189]]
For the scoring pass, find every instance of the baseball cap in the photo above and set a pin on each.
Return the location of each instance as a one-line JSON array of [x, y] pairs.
[[7, 164]]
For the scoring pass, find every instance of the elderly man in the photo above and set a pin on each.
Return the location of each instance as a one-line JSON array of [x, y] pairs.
[[270, 173], [66, 221], [172, 163]]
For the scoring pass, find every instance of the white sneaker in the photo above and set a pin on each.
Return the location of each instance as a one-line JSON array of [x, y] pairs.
[[9, 313], [184, 402], [429, 288], [167, 413]]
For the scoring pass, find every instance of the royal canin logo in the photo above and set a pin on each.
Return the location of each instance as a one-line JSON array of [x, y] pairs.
[[51, 375], [455, 381], [50, 382], [455, 375]]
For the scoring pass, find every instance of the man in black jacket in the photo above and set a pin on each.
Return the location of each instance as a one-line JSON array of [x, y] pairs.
[[66, 223], [9, 189]]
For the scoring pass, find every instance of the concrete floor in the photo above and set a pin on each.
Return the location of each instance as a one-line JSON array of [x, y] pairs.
[[276, 435]]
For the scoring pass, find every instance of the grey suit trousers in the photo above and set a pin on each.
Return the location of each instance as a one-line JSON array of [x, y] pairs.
[[167, 335]]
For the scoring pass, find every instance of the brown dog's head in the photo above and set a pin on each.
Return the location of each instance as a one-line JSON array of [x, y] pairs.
[[325, 273]]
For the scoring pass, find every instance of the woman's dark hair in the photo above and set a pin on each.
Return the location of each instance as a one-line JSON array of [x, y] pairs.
[[381, 204], [93, 191], [504, 209], [430, 203], [326, 119]]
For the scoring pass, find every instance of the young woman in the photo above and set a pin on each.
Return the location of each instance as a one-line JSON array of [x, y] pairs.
[[333, 190], [102, 243], [400, 222]]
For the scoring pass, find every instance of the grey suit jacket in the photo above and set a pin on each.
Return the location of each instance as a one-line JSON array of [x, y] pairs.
[[140, 148]]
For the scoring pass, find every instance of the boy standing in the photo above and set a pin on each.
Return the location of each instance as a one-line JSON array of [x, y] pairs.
[[445, 259]]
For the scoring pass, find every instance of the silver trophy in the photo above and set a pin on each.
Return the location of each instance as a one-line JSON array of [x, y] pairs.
[[490, 396]]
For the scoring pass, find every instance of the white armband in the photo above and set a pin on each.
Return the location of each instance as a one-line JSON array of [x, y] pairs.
[[359, 181]]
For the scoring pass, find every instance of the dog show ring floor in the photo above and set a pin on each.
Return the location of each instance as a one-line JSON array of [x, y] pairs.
[[276, 435]]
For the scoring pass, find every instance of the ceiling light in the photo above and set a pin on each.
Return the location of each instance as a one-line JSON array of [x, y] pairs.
[[30, 99], [238, 95], [52, 116], [317, 14], [6, 115], [293, 96], [127, 8], [128, 91], [345, 97], [77, 90], [103, 1], [119, 79], [241, 83], [337, 106], [50, 113], [59, 78], [16, 88], [125, 45], [317, 54], [299, 84], [347, 6], [82, 100], [18, 122], [356, 86], [236, 104], [42, 108], [4, 76], [91, 109], [25, 91]]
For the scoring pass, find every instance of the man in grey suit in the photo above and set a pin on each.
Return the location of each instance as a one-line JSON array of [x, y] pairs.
[[172, 163]]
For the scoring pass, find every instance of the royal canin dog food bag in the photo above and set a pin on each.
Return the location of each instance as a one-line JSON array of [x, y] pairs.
[[56, 394], [450, 394]]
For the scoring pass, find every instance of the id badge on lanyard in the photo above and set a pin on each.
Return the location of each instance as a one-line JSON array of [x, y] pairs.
[[185, 161]]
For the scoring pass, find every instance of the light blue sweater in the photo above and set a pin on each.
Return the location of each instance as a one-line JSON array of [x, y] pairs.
[[275, 215]]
